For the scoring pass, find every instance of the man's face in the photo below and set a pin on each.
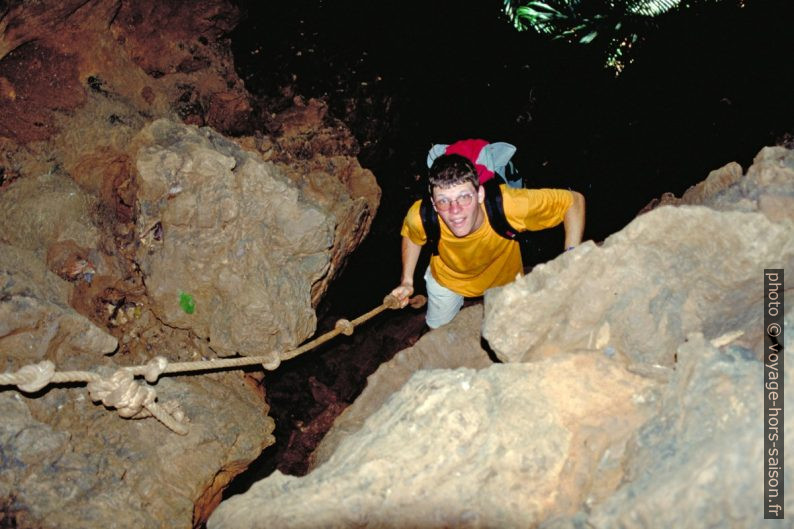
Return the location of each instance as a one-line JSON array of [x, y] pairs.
[[459, 207]]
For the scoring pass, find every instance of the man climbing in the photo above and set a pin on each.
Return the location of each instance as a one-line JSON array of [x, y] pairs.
[[471, 255]]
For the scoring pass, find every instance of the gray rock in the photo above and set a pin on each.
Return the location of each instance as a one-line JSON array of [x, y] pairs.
[[36, 322]]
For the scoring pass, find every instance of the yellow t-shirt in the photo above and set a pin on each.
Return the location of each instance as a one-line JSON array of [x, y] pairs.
[[483, 259]]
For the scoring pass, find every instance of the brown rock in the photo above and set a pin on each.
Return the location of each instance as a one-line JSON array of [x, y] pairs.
[[107, 173], [36, 80], [179, 42], [70, 462], [236, 236], [229, 112]]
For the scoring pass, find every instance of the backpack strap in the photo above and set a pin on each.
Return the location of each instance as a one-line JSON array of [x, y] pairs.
[[430, 224], [494, 207]]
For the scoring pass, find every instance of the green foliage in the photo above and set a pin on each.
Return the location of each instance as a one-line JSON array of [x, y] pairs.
[[615, 25], [187, 303]]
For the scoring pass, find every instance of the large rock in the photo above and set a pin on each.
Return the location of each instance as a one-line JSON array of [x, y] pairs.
[[698, 462], [672, 271], [318, 154], [36, 322], [69, 463], [458, 347], [41, 211], [500, 447], [234, 234]]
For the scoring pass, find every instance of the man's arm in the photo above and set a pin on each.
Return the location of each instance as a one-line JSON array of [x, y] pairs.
[[574, 221], [410, 256]]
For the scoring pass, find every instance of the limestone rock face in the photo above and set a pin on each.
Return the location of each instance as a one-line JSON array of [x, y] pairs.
[[456, 348], [461, 448], [68, 462], [672, 271], [231, 232], [318, 154], [698, 462], [36, 323], [79, 81]]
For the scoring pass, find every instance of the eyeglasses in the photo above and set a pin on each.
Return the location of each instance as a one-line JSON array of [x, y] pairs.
[[463, 200]]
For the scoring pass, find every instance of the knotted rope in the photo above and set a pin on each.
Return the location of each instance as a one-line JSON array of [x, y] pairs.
[[135, 401]]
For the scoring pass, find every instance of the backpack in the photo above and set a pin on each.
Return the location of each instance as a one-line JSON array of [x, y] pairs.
[[489, 159]]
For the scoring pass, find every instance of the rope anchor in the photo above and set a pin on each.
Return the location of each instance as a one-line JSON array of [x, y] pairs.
[[135, 401]]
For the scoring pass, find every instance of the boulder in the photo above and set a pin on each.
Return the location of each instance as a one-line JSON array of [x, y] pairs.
[[456, 348], [670, 272], [500, 447], [235, 236], [699, 461], [68, 462]]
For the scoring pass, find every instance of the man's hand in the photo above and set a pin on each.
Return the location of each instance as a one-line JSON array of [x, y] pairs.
[[403, 293]]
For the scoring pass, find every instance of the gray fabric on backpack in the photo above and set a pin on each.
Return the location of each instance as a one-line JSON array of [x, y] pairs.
[[495, 156]]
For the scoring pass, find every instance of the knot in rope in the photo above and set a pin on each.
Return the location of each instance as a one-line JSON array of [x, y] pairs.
[[272, 362], [154, 368], [35, 376], [345, 327], [120, 391]]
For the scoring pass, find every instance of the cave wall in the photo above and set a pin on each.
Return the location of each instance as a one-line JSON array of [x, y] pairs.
[[135, 169]]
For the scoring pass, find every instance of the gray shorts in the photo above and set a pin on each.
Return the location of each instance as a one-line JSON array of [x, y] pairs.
[[442, 303]]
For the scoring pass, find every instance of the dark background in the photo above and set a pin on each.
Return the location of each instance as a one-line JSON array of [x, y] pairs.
[[709, 86]]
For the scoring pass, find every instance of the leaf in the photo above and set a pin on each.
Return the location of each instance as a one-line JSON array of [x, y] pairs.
[[588, 38], [542, 6], [187, 303]]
